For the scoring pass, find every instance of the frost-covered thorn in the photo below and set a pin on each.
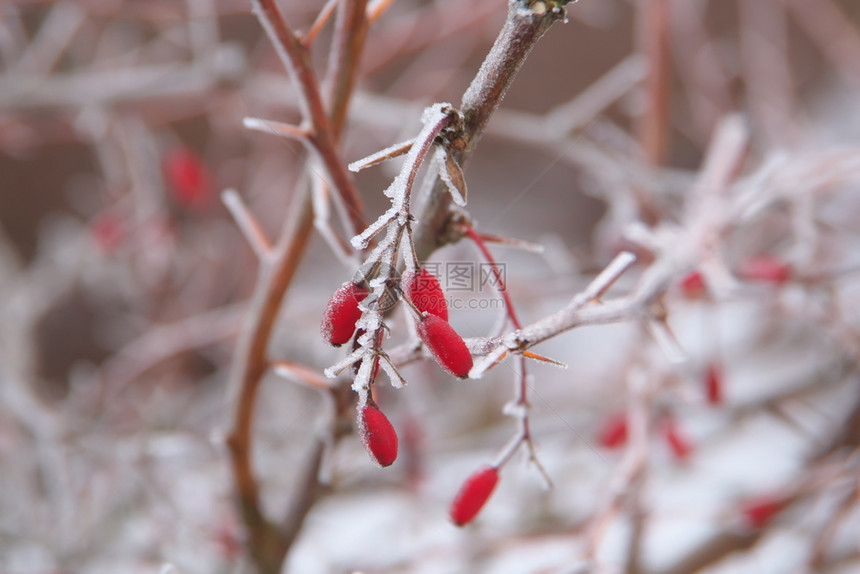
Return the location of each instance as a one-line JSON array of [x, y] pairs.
[[397, 380], [488, 361], [336, 369], [390, 152], [452, 176], [511, 242], [542, 359], [361, 240], [276, 128]]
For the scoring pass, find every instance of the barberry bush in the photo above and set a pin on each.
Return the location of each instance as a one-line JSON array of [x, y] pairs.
[[377, 286]]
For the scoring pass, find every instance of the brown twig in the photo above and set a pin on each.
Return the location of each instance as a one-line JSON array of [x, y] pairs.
[[345, 60], [296, 58], [249, 365], [653, 16], [268, 542]]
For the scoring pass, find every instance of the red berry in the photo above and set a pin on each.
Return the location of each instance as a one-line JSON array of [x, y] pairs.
[[678, 443], [187, 177], [767, 269], [714, 385], [759, 512], [342, 313], [108, 232], [423, 290], [446, 346], [614, 432], [377, 435], [693, 285], [473, 495]]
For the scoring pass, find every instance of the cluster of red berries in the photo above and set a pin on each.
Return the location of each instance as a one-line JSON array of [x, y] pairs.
[[759, 269], [425, 296], [614, 434]]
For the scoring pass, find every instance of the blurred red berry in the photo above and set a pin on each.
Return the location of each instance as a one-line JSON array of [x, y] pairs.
[[693, 285], [613, 434], [766, 269], [187, 177], [342, 313], [446, 346], [378, 435], [758, 512], [714, 384], [108, 231], [473, 495], [678, 443]]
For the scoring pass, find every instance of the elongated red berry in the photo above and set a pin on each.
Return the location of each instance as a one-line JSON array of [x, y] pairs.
[[767, 269], [342, 313], [613, 434], [425, 292], [714, 384], [693, 285], [446, 346], [678, 443], [758, 512], [473, 495], [377, 435]]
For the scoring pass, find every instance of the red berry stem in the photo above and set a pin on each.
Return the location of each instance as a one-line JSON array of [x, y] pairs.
[[500, 283], [521, 402]]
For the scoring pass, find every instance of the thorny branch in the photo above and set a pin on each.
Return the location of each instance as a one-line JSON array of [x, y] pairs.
[[269, 543], [679, 252]]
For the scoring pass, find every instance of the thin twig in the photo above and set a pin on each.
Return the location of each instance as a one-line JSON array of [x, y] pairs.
[[654, 39], [247, 223], [322, 19]]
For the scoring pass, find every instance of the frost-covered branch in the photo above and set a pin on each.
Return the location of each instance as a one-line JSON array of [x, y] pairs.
[[525, 24]]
